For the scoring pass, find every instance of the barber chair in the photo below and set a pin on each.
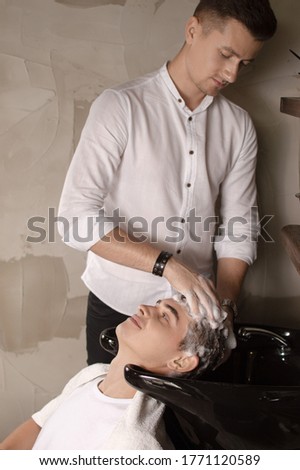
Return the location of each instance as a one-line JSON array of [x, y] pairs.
[[250, 402]]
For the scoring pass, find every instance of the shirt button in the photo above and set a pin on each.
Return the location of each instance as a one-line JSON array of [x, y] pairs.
[[183, 221], [179, 100], [189, 185], [178, 252], [192, 152], [190, 118]]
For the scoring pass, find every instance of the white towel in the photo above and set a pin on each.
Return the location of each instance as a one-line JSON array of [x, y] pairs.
[[141, 428]]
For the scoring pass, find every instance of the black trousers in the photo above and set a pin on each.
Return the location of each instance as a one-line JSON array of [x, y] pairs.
[[99, 317]]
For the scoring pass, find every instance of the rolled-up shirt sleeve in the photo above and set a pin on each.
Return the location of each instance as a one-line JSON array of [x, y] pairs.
[[82, 220], [238, 233]]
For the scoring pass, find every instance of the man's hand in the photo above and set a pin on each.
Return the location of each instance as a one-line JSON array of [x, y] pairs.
[[230, 342], [199, 291]]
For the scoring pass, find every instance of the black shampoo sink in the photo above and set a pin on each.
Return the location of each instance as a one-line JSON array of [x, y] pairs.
[[250, 402], [264, 356]]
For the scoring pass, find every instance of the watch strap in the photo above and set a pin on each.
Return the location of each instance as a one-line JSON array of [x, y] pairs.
[[232, 305]]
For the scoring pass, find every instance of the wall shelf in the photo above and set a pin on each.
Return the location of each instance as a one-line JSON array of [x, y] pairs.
[[290, 106]]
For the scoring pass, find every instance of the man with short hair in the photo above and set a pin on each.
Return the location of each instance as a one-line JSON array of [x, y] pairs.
[[98, 409], [155, 156]]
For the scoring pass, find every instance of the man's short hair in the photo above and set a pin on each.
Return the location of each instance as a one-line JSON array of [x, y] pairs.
[[256, 15], [205, 342]]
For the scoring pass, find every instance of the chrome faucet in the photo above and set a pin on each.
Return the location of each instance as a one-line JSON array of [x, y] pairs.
[[249, 331]]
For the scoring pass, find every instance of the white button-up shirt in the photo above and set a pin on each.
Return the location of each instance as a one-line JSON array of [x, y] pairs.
[[149, 164]]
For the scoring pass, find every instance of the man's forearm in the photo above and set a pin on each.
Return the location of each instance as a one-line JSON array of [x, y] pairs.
[[120, 248], [23, 437], [231, 273]]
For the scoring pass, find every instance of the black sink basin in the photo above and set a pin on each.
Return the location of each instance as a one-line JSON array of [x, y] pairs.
[[250, 402], [264, 356]]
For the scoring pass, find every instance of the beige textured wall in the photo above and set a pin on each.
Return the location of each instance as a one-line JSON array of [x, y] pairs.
[[55, 58]]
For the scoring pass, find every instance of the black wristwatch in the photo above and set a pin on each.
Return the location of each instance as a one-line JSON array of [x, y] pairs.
[[232, 305]]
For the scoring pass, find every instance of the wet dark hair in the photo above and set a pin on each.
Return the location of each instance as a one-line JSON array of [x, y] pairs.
[[206, 343], [256, 15]]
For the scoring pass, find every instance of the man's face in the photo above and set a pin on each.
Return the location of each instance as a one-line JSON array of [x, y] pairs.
[[152, 336], [214, 58]]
